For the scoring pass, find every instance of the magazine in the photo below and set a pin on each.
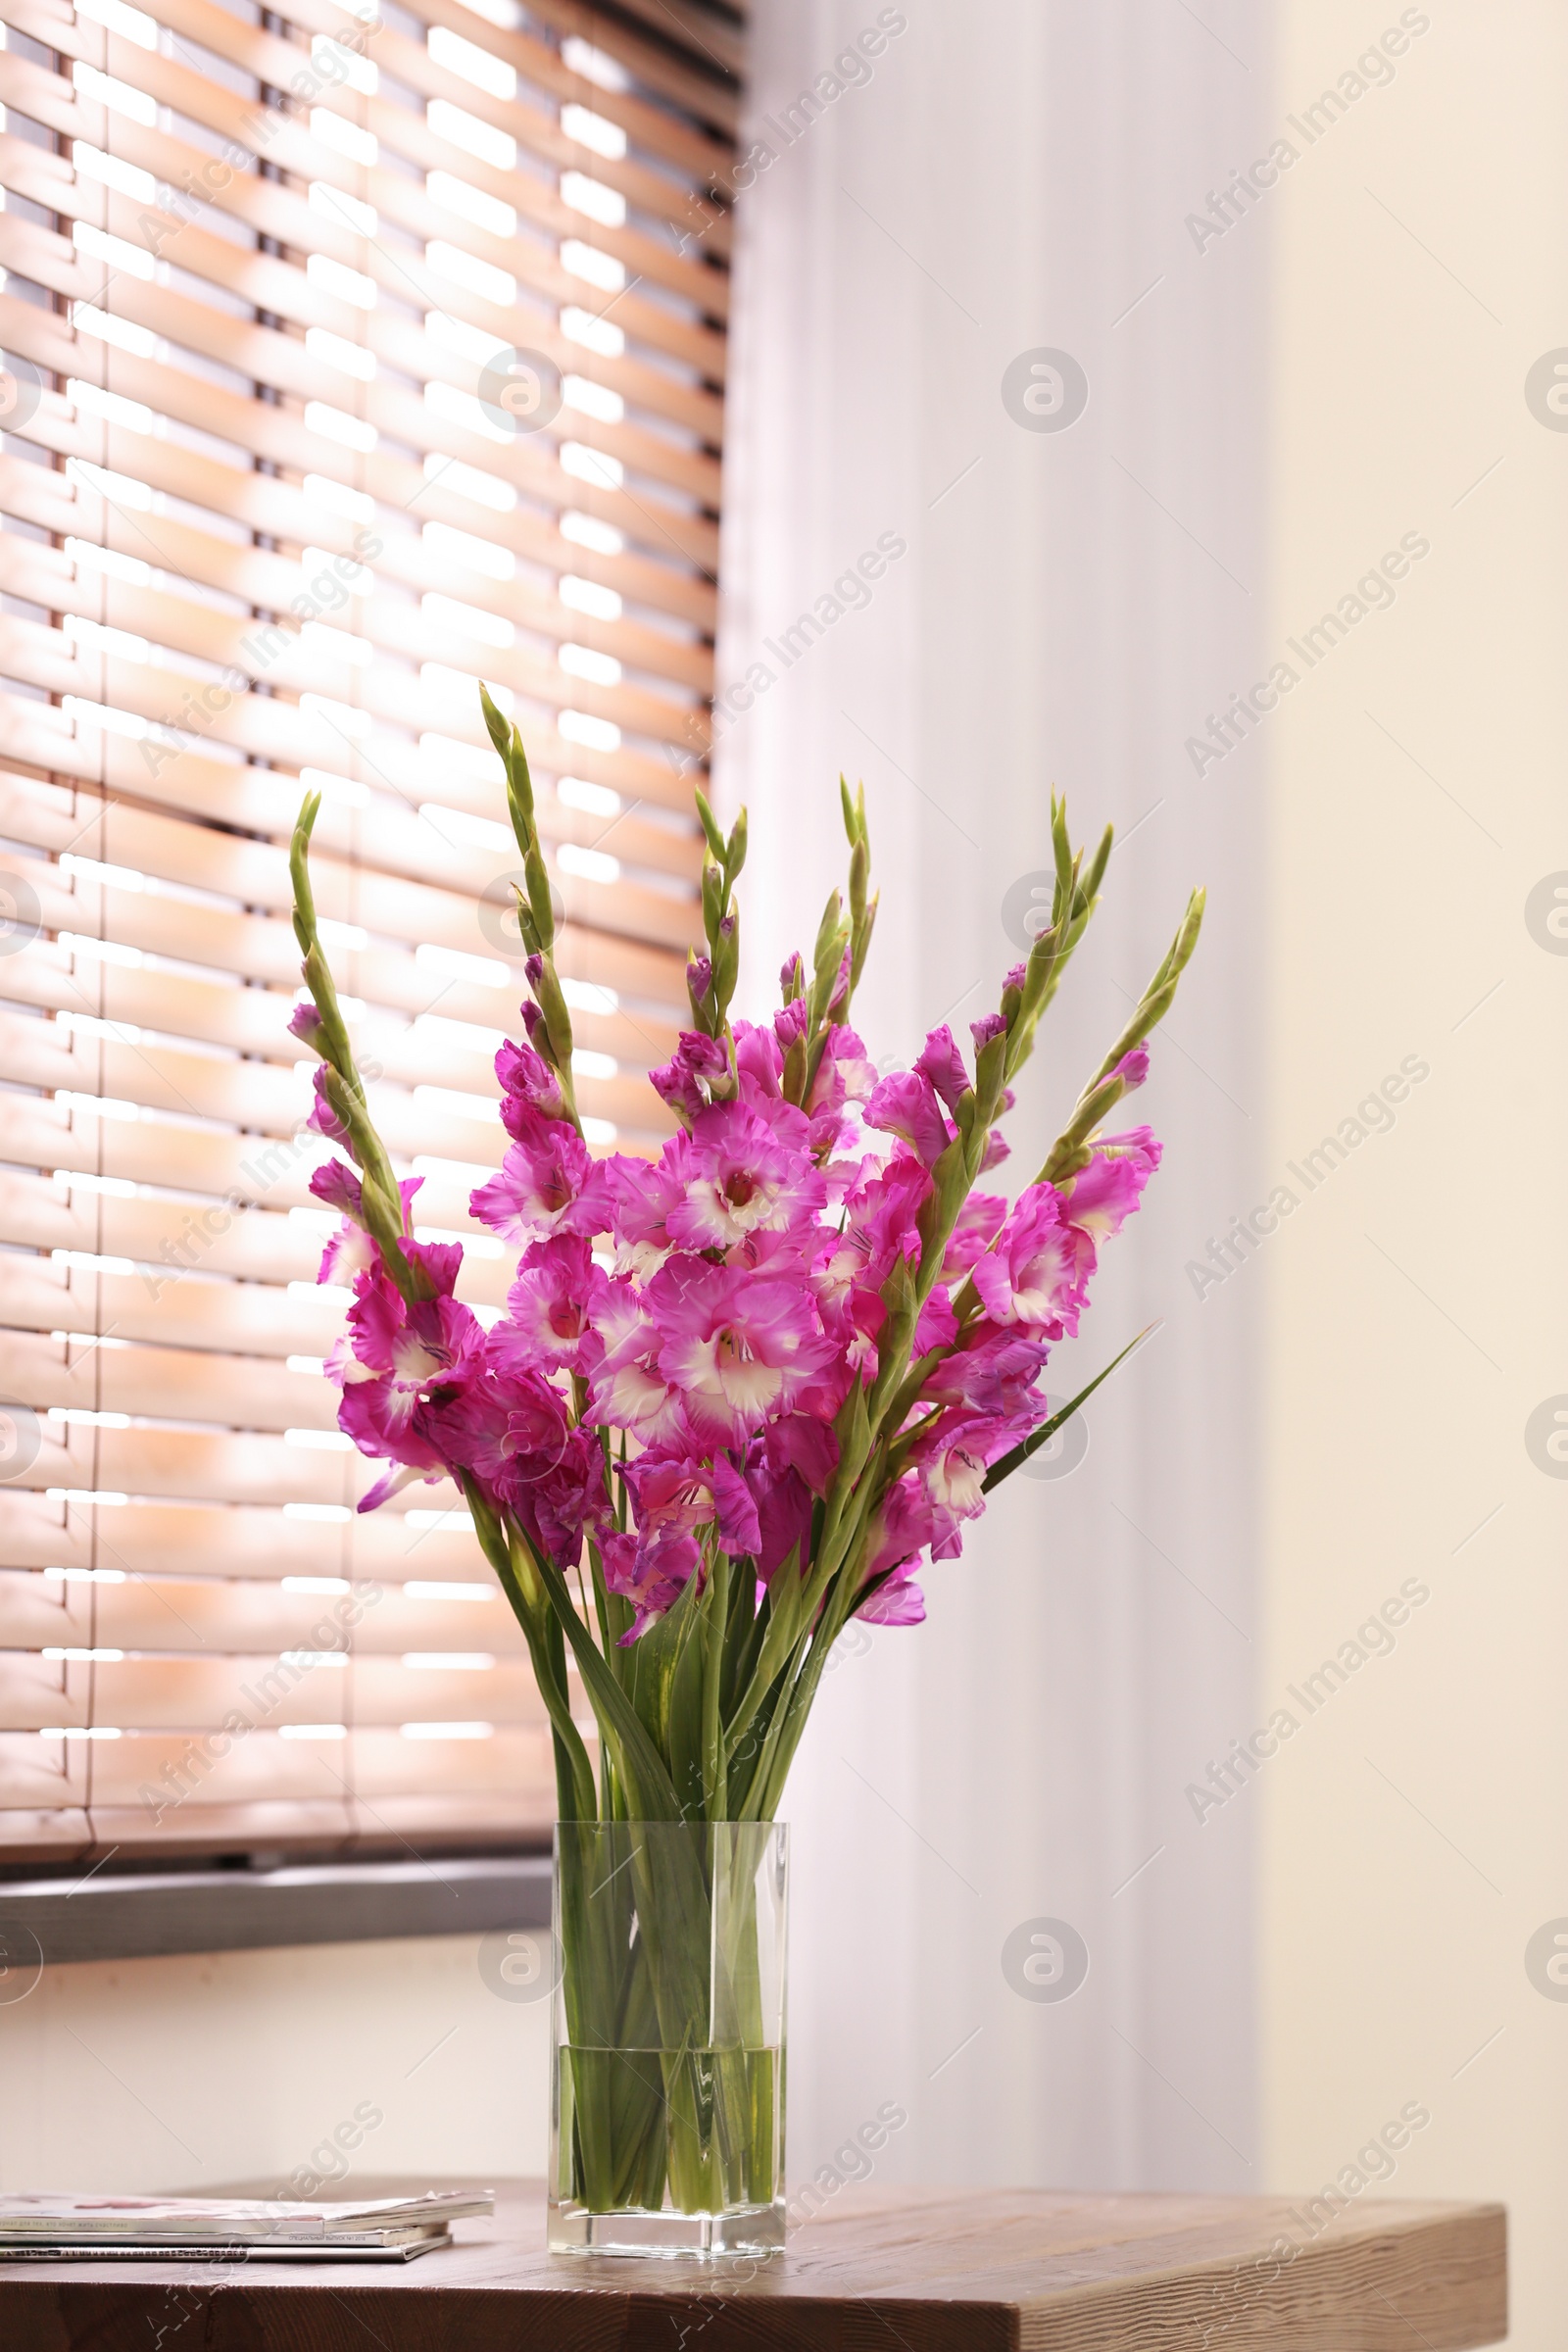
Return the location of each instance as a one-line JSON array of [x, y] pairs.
[[59, 2219]]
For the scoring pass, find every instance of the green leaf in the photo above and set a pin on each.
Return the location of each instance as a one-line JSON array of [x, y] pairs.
[[785, 1608], [641, 1766]]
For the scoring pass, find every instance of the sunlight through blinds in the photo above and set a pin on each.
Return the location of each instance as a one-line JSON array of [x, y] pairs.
[[348, 359]]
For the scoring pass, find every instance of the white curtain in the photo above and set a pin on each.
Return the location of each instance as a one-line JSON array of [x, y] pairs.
[[1053, 606]]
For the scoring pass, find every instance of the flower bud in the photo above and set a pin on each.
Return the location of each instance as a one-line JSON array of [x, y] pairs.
[[789, 1023], [305, 1023], [699, 986], [324, 1118]]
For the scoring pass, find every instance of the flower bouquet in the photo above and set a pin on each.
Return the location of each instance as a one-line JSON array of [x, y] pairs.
[[740, 1392]]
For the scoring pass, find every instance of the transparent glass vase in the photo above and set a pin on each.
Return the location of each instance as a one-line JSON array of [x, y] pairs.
[[667, 2058]]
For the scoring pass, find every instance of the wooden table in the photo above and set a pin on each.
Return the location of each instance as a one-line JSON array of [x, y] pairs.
[[937, 2270]]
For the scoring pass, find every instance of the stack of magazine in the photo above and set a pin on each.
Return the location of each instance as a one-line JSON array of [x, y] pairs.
[[219, 2230]]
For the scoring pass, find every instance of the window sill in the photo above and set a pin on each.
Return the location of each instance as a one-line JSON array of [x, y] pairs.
[[135, 1917]]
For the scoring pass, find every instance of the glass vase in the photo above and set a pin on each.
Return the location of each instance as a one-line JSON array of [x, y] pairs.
[[668, 2055]]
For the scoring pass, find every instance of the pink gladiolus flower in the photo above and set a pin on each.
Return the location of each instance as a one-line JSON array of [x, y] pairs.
[[898, 1600], [943, 1064], [902, 1525], [549, 1183], [1038, 1271], [565, 1503], [1104, 1195], [512, 1431], [496, 1416], [419, 1345], [991, 1372], [802, 1442], [847, 1275], [651, 1576], [420, 1358], [627, 1390], [845, 1073], [784, 1518], [760, 1069], [551, 1306], [526, 1078], [642, 1194], [907, 1105], [737, 1346], [335, 1185], [350, 1254], [953, 1458], [687, 1081], [736, 1179], [936, 1326], [979, 1222], [759, 1058], [671, 1490], [384, 1416], [952, 1463]]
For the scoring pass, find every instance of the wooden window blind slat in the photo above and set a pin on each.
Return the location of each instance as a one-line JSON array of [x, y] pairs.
[[47, 737], [264, 1247], [390, 902], [275, 510], [69, 509], [143, 1539], [247, 1020], [701, 97], [284, 657], [280, 211], [282, 436], [190, 1615], [189, 95], [261, 533], [284, 289], [282, 363], [168, 1463], [231, 1171], [61, 1056]]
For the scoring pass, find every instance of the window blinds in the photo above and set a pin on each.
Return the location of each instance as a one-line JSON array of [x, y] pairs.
[[348, 359]]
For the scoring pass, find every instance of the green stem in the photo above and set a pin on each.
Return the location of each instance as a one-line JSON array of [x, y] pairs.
[[713, 1768]]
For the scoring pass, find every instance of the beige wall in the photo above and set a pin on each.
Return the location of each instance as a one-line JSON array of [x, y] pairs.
[[1415, 1831], [139, 2074]]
